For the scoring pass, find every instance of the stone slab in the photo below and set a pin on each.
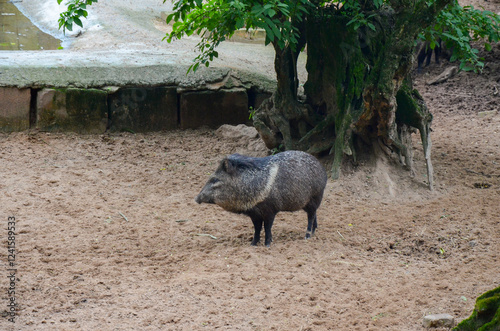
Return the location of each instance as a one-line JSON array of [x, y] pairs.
[[14, 109], [72, 109], [143, 109], [213, 108]]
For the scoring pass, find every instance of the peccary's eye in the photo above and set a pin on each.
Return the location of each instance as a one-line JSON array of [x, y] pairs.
[[214, 180]]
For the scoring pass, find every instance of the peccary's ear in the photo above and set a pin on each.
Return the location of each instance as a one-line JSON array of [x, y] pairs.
[[229, 166]]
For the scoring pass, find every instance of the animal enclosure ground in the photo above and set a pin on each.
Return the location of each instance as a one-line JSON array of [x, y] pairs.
[[110, 238]]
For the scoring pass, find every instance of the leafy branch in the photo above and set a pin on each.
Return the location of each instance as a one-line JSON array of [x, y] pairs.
[[76, 9], [457, 27], [215, 21]]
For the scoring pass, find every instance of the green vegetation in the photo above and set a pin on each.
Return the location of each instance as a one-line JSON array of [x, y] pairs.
[[457, 27], [76, 9], [486, 314]]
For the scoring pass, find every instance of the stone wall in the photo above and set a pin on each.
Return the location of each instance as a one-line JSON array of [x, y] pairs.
[[133, 109], [136, 99]]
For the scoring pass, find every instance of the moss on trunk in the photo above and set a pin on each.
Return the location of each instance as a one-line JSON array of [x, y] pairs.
[[353, 87]]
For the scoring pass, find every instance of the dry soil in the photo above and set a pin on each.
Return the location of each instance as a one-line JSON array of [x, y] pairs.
[[108, 236]]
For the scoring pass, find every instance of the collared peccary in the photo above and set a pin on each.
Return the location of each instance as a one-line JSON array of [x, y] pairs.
[[262, 187], [425, 53]]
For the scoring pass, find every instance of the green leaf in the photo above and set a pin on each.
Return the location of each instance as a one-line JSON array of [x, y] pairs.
[[269, 33], [78, 22], [81, 12], [170, 18], [276, 31], [194, 67], [487, 47], [465, 67]]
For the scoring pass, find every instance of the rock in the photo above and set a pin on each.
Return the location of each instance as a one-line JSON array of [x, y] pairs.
[[439, 320], [245, 136], [257, 145], [444, 76], [236, 132]]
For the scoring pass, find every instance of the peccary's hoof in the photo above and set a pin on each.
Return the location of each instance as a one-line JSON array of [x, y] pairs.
[[268, 245], [308, 236]]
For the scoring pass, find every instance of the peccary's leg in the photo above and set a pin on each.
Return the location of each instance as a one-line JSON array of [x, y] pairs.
[[312, 223], [420, 59], [315, 224], [257, 224], [312, 220], [268, 224], [428, 55]]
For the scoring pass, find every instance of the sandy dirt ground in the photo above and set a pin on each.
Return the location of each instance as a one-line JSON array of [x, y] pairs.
[[108, 234], [110, 238]]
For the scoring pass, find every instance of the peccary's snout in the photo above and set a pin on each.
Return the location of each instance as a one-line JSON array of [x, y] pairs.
[[204, 197]]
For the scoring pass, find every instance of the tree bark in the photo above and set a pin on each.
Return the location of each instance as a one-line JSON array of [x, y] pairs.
[[356, 92]]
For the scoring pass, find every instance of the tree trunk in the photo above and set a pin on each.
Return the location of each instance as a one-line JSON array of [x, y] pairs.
[[356, 92], [278, 119]]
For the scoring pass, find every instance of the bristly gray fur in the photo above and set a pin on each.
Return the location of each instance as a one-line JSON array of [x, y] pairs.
[[261, 187]]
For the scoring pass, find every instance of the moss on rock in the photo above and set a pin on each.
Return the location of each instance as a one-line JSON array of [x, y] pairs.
[[486, 314]]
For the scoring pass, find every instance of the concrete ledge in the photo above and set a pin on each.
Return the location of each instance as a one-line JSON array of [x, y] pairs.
[[117, 68]]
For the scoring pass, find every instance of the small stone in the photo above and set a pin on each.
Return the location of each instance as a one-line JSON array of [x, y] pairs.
[[439, 320], [236, 132]]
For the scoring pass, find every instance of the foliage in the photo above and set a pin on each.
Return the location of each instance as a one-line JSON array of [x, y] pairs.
[[216, 20], [457, 27], [76, 9]]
